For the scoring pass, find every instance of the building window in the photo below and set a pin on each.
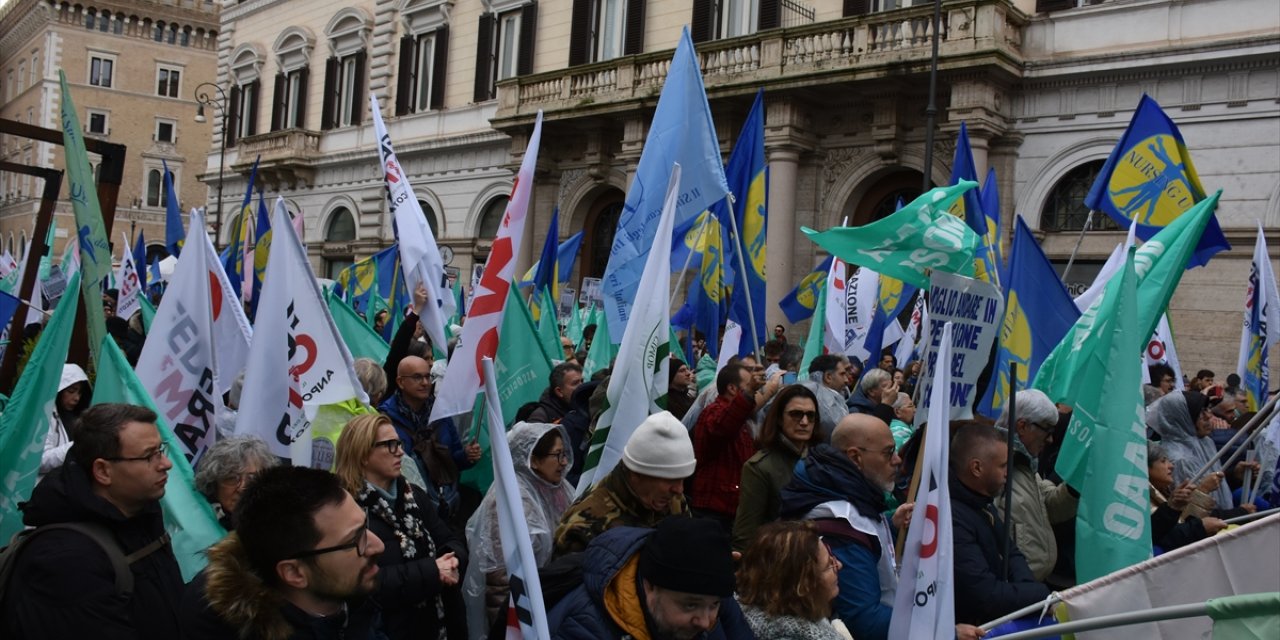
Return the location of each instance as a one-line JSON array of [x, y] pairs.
[[96, 123], [22, 74], [247, 109], [90, 19], [104, 22], [242, 110], [430, 214], [422, 71], [715, 19], [100, 68], [342, 226], [491, 218], [738, 17], [35, 67], [157, 193], [344, 91], [289, 109], [8, 85], [1064, 209], [166, 130], [167, 82], [504, 48], [610, 22]]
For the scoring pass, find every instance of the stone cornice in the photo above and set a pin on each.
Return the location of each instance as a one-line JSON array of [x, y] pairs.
[[1246, 53], [21, 25]]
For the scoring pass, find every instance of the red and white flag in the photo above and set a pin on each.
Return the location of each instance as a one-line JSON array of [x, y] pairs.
[[127, 284], [231, 329], [462, 381], [837, 312]]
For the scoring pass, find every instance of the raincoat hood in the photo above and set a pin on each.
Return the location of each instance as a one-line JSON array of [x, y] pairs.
[[1171, 417], [71, 374]]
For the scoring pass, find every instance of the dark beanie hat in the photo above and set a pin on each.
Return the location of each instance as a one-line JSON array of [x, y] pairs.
[[689, 555]]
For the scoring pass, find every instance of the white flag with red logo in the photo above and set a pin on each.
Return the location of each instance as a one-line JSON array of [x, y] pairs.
[[298, 361], [419, 255], [462, 381], [231, 329], [924, 605], [127, 283], [179, 359], [837, 311]]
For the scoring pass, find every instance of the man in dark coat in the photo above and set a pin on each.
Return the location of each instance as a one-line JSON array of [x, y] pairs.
[[554, 403], [980, 463], [63, 584], [675, 581]]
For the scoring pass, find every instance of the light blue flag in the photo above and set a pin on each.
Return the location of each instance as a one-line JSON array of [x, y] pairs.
[[682, 132]]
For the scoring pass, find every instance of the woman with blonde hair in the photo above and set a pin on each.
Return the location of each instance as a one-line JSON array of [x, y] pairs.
[[418, 589], [786, 582]]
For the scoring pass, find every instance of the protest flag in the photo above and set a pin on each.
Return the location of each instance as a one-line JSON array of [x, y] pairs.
[[892, 298], [1038, 311], [175, 233], [1149, 179], [461, 384], [681, 132], [188, 516], [361, 339], [602, 351], [835, 315], [814, 343], [566, 257], [178, 361], [799, 304], [549, 328], [861, 296], [928, 555], [129, 283], [638, 386], [233, 257], [706, 292], [140, 259], [420, 259], [95, 250], [907, 350], [991, 248], [261, 251], [1261, 327], [748, 178], [546, 277], [26, 418], [907, 244], [232, 332], [573, 329]]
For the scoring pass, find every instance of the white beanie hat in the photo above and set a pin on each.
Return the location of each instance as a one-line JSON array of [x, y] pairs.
[[660, 447]]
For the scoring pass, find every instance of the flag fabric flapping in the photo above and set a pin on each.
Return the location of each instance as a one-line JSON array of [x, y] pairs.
[[907, 350], [566, 256], [140, 259], [178, 361], [928, 555], [233, 257], [707, 291], [907, 244], [362, 341], [832, 303], [681, 132], [798, 305], [892, 298], [638, 387], [1038, 311], [128, 283], [261, 251], [1149, 179], [963, 169], [232, 332], [26, 418], [419, 255], [1261, 327], [748, 178], [1161, 350], [95, 249], [528, 613], [175, 233], [297, 362], [815, 341], [861, 297], [457, 392], [546, 276], [602, 351], [991, 247]]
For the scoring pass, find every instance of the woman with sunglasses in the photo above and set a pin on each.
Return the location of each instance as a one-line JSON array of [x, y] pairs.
[[786, 582], [789, 428], [422, 563], [542, 455]]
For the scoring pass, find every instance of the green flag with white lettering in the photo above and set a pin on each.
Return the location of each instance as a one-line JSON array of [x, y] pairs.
[[549, 327], [813, 344], [906, 245]]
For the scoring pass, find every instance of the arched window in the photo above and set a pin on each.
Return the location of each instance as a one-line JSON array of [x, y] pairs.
[[342, 226], [1064, 209], [157, 194], [430, 215], [603, 227], [491, 218]]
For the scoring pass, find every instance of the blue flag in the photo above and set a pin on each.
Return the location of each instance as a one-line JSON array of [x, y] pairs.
[[968, 208], [706, 292], [154, 277], [1038, 312], [990, 246], [8, 306], [567, 256], [893, 298], [546, 277], [748, 179], [261, 251], [175, 233], [800, 303], [233, 255], [140, 259], [1149, 179], [681, 132]]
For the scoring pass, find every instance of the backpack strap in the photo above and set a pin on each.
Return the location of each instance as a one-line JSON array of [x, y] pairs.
[[102, 537]]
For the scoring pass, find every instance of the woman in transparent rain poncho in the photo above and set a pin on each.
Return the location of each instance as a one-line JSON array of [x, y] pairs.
[[541, 455]]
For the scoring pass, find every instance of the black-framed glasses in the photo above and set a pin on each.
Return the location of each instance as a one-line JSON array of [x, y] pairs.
[[562, 456], [887, 452], [798, 415], [1047, 428], [360, 544], [394, 445], [150, 457]]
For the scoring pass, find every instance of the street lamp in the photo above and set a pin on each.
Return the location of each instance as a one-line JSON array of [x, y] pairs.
[[212, 95]]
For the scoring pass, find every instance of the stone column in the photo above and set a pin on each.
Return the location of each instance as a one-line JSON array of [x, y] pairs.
[[784, 164]]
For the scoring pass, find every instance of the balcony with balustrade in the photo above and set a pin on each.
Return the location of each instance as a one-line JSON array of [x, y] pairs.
[[288, 157], [974, 36]]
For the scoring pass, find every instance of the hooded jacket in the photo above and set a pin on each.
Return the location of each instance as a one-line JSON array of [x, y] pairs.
[[544, 503], [578, 426], [610, 602], [63, 584], [227, 601], [1037, 505], [1171, 417], [58, 441]]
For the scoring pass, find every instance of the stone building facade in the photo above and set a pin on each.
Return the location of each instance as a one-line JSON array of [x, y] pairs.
[[132, 67]]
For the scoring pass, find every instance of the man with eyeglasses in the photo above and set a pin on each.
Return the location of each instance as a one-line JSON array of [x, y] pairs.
[[301, 564], [1038, 504], [64, 583]]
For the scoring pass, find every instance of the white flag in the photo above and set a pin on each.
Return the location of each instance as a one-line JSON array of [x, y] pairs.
[[419, 255], [863, 297], [178, 359], [298, 361], [1160, 351], [231, 330], [127, 284], [7, 263], [513, 526], [1261, 327], [902, 355], [833, 338], [924, 605], [640, 373], [461, 383], [729, 345]]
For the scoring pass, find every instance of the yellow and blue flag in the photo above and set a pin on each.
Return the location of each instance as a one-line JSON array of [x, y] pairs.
[[175, 233], [801, 302], [1038, 311], [233, 255], [1149, 179], [894, 296], [748, 179], [261, 251], [970, 208], [991, 243], [707, 291], [1261, 326], [546, 276]]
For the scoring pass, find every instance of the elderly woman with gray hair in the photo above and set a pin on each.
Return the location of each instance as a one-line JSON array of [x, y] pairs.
[[227, 468]]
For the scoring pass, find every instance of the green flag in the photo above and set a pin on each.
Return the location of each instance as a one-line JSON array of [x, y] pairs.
[[148, 312], [1159, 264], [1252, 616], [813, 344], [908, 244], [549, 328], [602, 351], [95, 251], [361, 339], [1104, 454], [188, 517], [573, 330], [26, 420], [46, 258]]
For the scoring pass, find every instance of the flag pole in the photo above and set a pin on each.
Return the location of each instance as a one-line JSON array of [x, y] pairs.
[[1088, 222], [1252, 426], [742, 267], [688, 259], [912, 488], [931, 111], [1011, 425]]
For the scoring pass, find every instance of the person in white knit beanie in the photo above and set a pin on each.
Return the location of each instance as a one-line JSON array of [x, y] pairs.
[[645, 488]]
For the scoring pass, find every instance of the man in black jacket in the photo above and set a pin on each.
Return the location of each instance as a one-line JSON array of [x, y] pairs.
[[554, 403], [980, 463], [64, 585]]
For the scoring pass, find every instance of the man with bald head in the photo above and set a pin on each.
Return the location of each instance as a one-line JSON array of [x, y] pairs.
[[435, 447]]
